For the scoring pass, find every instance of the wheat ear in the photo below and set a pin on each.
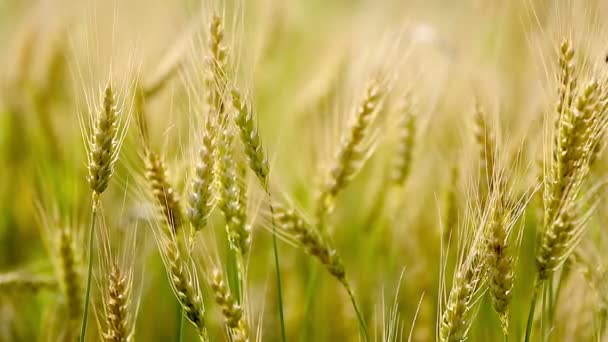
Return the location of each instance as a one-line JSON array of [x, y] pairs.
[[352, 152], [402, 157], [166, 196], [184, 282], [231, 310], [315, 244], [26, 283], [116, 306]]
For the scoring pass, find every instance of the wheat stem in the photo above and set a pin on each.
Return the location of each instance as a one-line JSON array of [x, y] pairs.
[[277, 267], [537, 287], [87, 295], [359, 315]]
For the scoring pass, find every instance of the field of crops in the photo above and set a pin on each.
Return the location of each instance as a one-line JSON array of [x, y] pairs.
[[303, 170]]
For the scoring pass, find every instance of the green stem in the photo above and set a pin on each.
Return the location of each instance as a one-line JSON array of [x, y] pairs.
[[85, 315], [234, 271], [537, 286], [277, 267], [180, 323], [313, 283], [359, 315]]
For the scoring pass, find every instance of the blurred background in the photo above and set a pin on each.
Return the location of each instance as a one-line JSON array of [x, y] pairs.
[[304, 64]]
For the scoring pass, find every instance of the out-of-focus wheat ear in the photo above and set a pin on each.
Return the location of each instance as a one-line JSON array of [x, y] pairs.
[[467, 286], [352, 153], [104, 143], [23, 283], [70, 273], [250, 138], [166, 196], [117, 301], [184, 282], [140, 117], [232, 200], [452, 205], [486, 144], [402, 157], [234, 318]]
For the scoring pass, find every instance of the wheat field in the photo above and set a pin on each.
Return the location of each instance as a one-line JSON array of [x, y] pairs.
[[289, 170]]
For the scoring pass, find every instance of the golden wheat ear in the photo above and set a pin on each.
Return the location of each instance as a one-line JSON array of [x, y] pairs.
[[231, 310], [352, 153], [183, 279], [104, 143], [166, 196]]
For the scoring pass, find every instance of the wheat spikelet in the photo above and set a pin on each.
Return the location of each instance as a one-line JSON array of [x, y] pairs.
[[201, 192], [184, 283], [576, 139], [117, 301], [26, 283], [231, 310], [164, 193], [250, 138], [289, 221], [467, 286], [233, 197], [352, 153], [567, 80], [104, 144], [217, 62]]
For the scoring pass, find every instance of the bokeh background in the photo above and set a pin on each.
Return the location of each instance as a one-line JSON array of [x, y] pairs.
[[304, 64]]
